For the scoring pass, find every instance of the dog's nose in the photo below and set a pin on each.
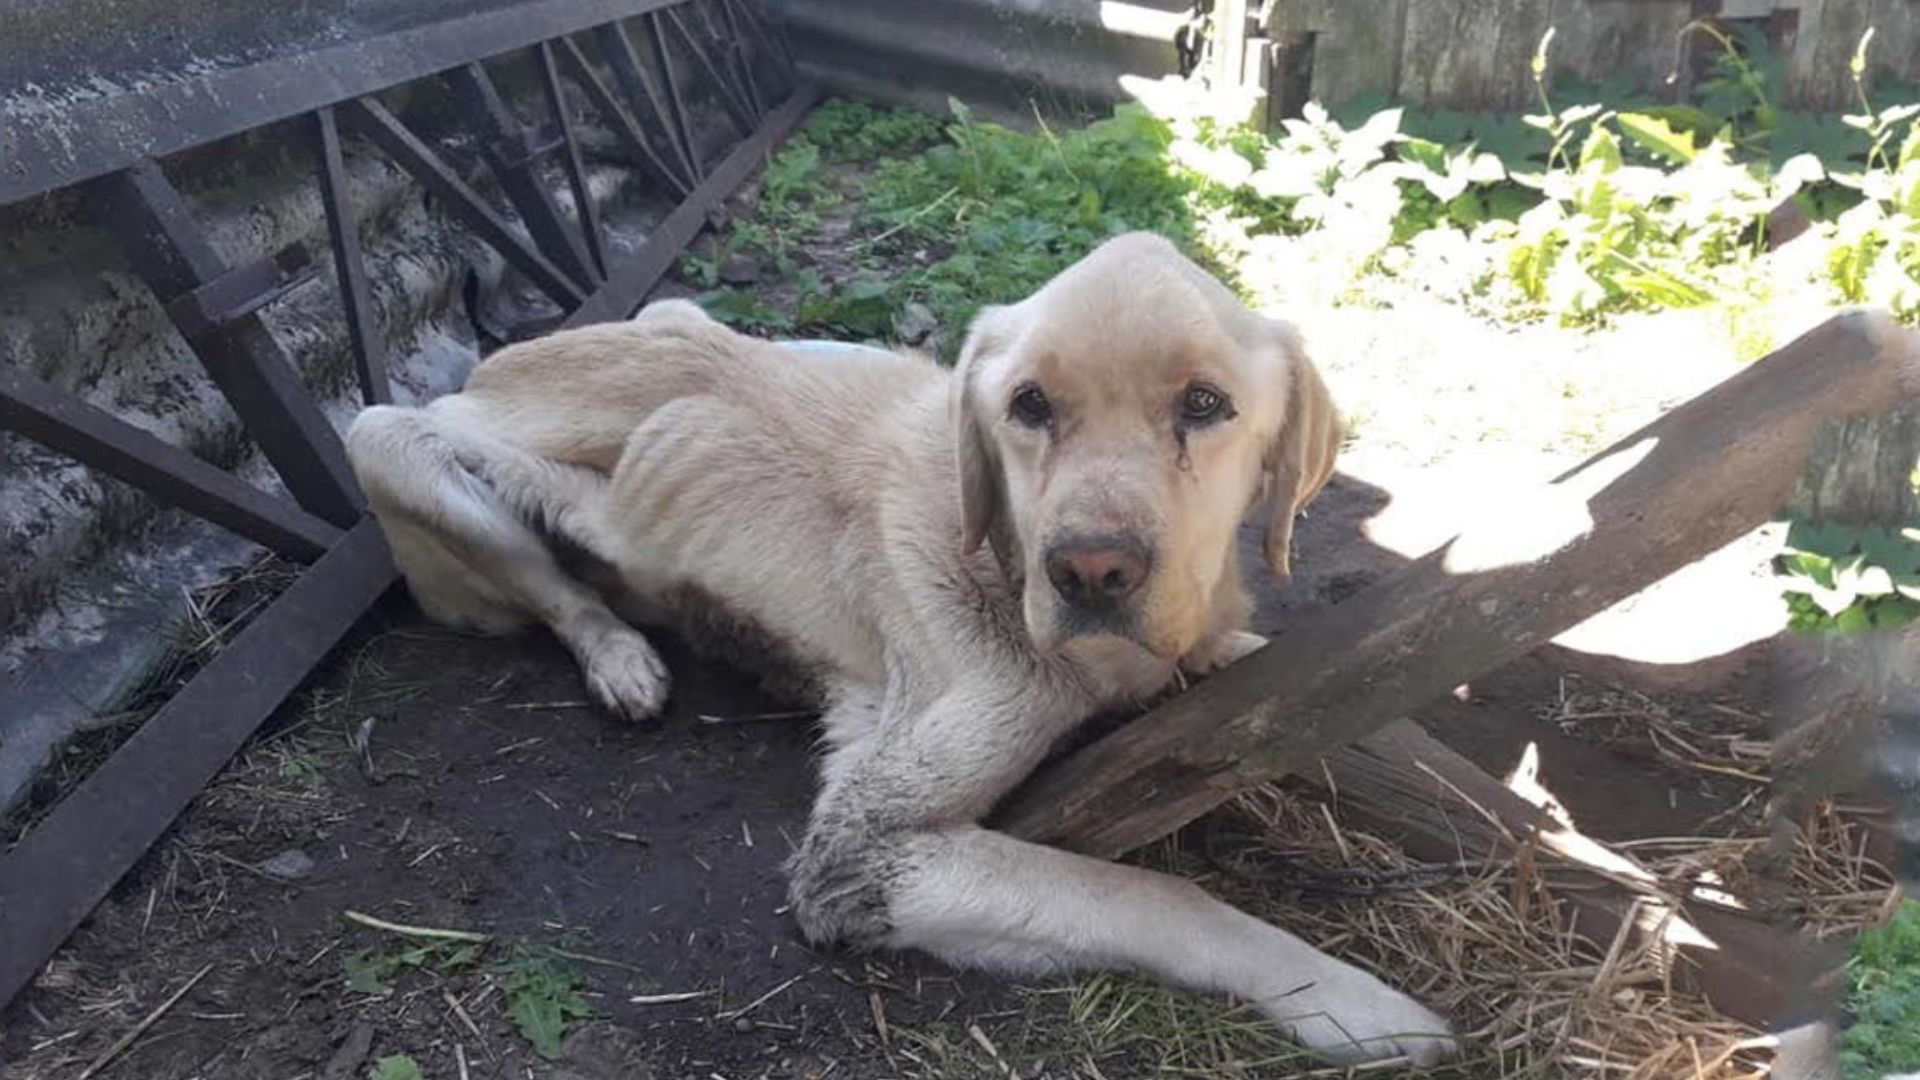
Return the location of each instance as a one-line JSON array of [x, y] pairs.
[[1097, 571]]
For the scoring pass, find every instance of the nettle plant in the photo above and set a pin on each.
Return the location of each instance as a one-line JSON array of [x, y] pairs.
[[1850, 578], [1874, 251], [1681, 227]]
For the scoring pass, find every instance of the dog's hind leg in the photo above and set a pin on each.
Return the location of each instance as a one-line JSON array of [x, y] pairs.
[[472, 557]]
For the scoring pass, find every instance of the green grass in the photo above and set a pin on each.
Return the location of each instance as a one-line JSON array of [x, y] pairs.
[[999, 212], [1597, 203], [1883, 1000]]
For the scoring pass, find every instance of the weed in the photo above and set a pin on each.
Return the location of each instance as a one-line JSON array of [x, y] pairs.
[[1883, 1000], [369, 971], [856, 131], [302, 769], [397, 1067], [744, 310], [1576, 212], [1850, 578], [543, 997]]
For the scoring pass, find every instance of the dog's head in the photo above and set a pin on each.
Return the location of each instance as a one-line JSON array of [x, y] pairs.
[[1113, 431]]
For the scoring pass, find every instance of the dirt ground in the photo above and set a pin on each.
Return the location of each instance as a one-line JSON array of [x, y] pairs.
[[629, 878], [439, 780]]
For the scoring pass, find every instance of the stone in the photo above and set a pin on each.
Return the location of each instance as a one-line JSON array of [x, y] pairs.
[[290, 865]]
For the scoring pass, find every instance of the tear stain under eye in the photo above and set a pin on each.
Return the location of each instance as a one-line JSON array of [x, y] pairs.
[[1184, 462]]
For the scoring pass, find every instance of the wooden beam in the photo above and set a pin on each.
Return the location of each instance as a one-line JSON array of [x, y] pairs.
[[1411, 788], [1707, 473]]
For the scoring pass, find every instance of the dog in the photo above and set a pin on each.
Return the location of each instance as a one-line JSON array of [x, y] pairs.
[[959, 565]]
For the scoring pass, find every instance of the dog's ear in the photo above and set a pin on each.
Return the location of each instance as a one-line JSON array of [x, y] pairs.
[[982, 492], [1300, 460]]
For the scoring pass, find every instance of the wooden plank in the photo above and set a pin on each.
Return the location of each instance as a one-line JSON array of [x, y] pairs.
[[1817, 78], [1596, 40], [1471, 54], [100, 440], [1896, 41], [1704, 475], [50, 880], [1860, 470], [1356, 47]]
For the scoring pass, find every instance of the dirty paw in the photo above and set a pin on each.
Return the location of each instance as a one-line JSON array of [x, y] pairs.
[[1354, 1019], [625, 675]]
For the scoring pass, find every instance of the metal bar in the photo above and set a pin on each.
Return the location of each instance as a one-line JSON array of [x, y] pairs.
[[729, 95], [637, 81], [773, 37], [576, 171], [623, 125], [53, 878], [624, 291], [51, 146], [240, 291], [374, 121], [657, 41], [740, 52], [369, 357], [103, 441], [511, 153], [157, 231]]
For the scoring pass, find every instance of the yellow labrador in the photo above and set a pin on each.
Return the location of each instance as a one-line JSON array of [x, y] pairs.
[[963, 565]]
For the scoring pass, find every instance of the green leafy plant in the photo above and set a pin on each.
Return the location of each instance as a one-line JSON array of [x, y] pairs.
[[397, 1067], [1874, 249], [543, 998], [863, 308], [744, 310], [1882, 1036], [856, 131], [369, 971], [1850, 578], [1577, 213]]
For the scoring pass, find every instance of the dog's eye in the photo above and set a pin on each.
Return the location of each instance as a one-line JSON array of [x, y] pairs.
[[1031, 407], [1202, 405]]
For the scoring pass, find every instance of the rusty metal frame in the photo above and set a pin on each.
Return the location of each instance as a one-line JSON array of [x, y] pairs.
[[55, 875]]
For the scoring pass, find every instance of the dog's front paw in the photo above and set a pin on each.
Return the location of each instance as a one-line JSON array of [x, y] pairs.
[[1216, 653], [625, 675], [1352, 1018]]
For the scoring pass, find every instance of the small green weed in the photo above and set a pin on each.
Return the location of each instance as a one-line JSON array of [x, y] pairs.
[[369, 971], [1883, 1000], [543, 998], [1850, 578], [744, 310], [303, 769], [397, 1067], [856, 131]]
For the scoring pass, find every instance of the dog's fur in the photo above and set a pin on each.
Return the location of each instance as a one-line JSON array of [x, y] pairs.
[[905, 539]]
